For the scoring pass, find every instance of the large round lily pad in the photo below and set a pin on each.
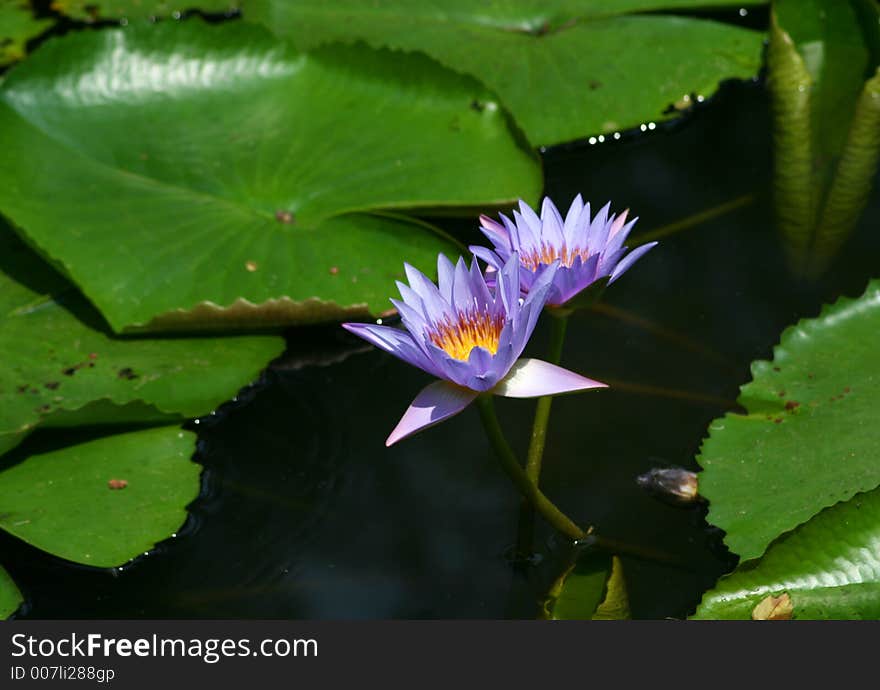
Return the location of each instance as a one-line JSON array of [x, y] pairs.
[[103, 502], [829, 568], [212, 174], [62, 366], [565, 70], [810, 438]]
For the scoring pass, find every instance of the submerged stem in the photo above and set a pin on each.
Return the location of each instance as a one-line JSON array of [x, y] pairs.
[[543, 505]]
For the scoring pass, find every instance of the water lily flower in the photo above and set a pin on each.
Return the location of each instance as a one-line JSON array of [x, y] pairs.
[[469, 337], [586, 249]]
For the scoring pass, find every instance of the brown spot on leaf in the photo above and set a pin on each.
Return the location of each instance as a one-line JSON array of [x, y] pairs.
[[127, 373], [781, 394], [773, 608], [251, 266], [776, 369], [52, 385], [116, 484], [847, 390], [778, 420], [69, 371], [594, 84], [334, 270], [285, 217], [22, 389], [42, 409], [792, 405], [93, 355]]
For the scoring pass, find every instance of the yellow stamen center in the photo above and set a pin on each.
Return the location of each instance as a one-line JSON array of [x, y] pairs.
[[547, 254], [474, 328]]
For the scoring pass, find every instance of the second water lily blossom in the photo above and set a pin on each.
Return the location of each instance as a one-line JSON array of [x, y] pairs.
[[471, 337], [586, 248]]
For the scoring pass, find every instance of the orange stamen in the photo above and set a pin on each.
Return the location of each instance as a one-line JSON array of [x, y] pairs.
[[548, 254], [471, 329]]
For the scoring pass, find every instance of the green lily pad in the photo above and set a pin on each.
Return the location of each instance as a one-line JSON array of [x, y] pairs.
[[103, 502], [62, 366], [810, 437], [829, 567], [564, 70], [593, 588], [10, 597], [17, 26], [93, 10], [211, 175]]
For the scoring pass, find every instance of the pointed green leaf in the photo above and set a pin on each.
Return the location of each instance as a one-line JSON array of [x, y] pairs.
[[591, 588], [810, 437], [103, 502], [564, 70], [61, 366], [209, 174], [10, 597], [825, 120], [829, 567]]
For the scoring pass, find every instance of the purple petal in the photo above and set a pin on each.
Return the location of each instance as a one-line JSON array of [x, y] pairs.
[[552, 224], [507, 285], [598, 233], [438, 401], [478, 286], [616, 240], [539, 288], [444, 276], [629, 260], [571, 220], [480, 362], [531, 218], [617, 223], [462, 295], [409, 296], [413, 319], [609, 261], [435, 306], [488, 256], [572, 281], [494, 231], [532, 378], [396, 342]]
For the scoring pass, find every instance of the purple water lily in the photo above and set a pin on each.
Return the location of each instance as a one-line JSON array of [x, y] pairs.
[[586, 249], [471, 338]]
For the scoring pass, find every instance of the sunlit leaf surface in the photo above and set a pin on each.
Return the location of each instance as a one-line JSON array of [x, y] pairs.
[[63, 366], [564, 69], [103, 502], [810, 437], [829, 567], [210, 175]]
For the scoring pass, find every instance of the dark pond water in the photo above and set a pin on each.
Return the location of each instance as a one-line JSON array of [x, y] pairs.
[[304, 513]]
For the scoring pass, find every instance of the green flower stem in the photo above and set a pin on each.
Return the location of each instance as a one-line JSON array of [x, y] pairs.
[[558, 325], [543, 505], [526, 525]]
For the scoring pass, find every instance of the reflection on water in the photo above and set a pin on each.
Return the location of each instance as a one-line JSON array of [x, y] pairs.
[[305, 513]]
